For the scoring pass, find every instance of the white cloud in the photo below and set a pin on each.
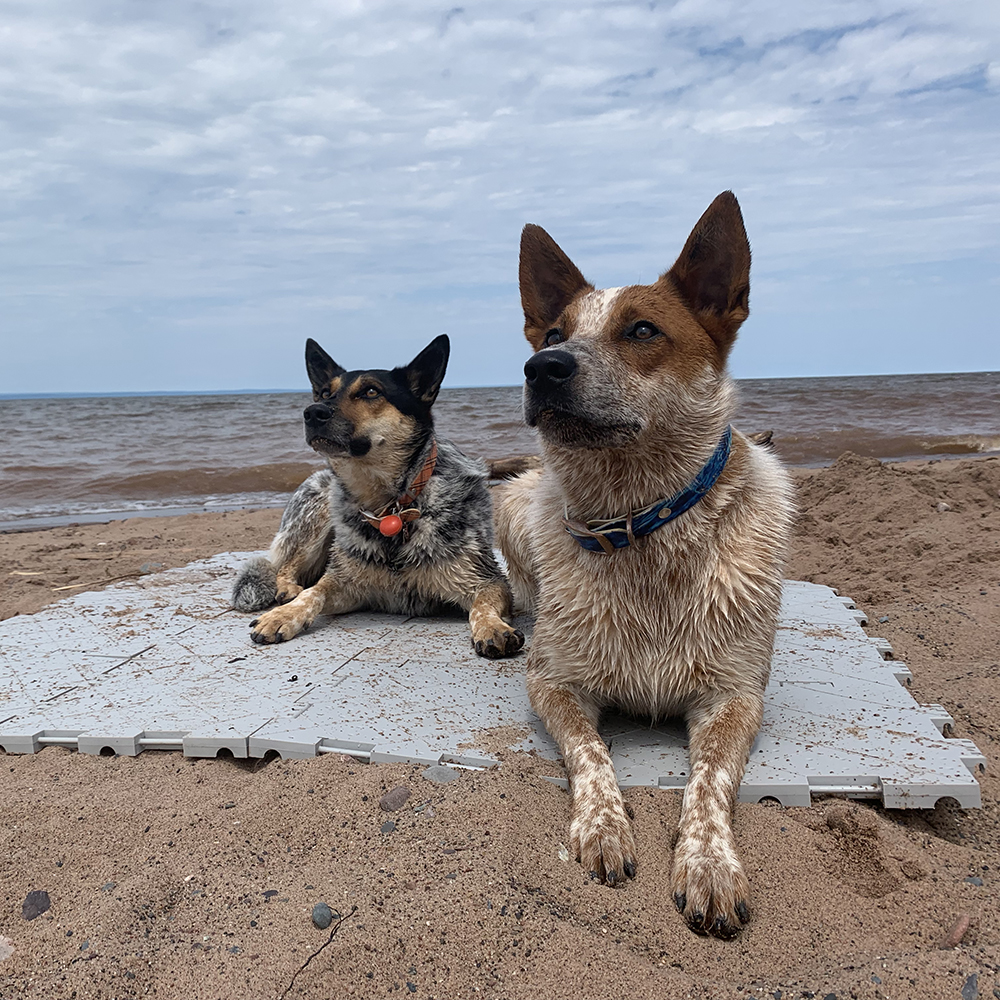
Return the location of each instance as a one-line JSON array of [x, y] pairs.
[[242, 177]]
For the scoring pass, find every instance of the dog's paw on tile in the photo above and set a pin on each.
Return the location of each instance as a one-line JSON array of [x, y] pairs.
[[494, 643], [278, 625]]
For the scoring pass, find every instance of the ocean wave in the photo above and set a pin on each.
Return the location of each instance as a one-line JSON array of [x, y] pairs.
[[966, 444], [823, 448], [48, 485], [209, 453]]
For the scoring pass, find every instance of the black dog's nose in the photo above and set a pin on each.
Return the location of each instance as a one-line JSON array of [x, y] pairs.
[[549, 369], [318, 413]]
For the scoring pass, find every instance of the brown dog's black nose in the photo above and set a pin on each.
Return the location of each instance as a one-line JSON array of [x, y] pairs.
[[549, 369], [317, 413]]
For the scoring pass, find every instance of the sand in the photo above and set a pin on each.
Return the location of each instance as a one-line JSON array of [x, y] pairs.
[[171, 877]]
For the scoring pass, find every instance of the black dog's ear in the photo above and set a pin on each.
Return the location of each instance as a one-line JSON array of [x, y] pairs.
[[713, 271], [549, 282], [425, 372], [321, 367]]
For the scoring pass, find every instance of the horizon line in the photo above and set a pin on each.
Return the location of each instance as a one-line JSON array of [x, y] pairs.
[[85, 394]]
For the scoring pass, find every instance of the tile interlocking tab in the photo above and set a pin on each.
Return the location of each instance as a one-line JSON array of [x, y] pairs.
[[163, 663]]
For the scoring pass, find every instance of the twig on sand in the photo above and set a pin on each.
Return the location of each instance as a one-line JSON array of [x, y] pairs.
[[302, 967]]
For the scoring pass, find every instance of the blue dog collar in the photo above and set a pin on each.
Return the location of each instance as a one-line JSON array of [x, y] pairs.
[[620, 532]]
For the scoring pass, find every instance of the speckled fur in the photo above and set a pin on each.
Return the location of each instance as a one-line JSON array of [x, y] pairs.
[[327, 559], [683, 621]]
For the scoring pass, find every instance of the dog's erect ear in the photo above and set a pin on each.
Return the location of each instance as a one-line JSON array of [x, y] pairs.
[[713, 271], [425, 372], [549, 282], [321, 367]]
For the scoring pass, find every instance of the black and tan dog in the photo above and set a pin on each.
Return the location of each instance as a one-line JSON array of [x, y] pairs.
[[401, 522], [650, 544]]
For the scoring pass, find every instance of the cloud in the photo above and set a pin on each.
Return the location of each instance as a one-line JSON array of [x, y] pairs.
[[196, 182]]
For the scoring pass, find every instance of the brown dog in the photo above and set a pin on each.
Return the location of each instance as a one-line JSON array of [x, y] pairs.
[[650, 545]]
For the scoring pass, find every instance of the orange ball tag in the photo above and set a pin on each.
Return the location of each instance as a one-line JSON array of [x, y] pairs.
[[391, 525]]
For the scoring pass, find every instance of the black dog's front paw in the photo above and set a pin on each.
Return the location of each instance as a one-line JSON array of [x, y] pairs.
[[278, 625]]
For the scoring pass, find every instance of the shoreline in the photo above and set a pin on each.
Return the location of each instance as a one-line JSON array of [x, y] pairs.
[[45, 522]]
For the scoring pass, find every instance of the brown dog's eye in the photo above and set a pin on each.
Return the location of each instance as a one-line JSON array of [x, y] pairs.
[[370, 393], [553, 337], [325, 394], [642, 331]]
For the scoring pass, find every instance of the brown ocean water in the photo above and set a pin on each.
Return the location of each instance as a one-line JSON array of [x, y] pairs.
[[90, 458]]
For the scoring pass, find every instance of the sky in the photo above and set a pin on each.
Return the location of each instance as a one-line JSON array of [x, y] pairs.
[[189, 190]]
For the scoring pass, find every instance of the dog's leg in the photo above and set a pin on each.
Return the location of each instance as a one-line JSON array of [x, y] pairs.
[[512, 521], [491, 607], [300, 548], [474, 583], [709, 886], [329, 596], [600, 832]]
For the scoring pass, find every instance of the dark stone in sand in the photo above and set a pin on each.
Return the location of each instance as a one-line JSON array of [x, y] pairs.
[[394, 799], [974, 880], [970, 991], [35, 904], [388, 826], [322, 916]]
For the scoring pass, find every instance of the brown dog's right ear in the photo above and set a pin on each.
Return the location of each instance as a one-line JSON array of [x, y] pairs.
[[322, 369], [713, 271], [549, 282]]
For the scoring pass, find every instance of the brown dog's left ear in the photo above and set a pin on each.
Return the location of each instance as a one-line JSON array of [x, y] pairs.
[[549, 282], [713, 271], [425, 372]]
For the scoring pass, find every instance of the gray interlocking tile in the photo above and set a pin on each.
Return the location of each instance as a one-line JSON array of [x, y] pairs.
[[163, 663]]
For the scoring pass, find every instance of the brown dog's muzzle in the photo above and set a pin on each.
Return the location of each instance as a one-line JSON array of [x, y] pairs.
[[548, 371]]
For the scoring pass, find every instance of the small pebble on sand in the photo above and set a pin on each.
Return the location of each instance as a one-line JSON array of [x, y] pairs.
[[388, 826], [322, 916], [394, 799], [35, 904], [958, 931]]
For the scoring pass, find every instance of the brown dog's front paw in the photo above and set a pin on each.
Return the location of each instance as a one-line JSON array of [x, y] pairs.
[[710, 890], [494, 643], [278, 625], [603, 841]]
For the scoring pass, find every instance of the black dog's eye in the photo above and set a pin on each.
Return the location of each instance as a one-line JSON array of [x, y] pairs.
[[370, 393], [325, 394], [553, 337], [642, 331]]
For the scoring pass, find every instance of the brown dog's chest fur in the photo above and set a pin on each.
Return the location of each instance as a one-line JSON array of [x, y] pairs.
[[655, 625]]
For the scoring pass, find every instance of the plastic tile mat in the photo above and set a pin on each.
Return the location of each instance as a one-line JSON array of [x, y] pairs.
[[162, 663]]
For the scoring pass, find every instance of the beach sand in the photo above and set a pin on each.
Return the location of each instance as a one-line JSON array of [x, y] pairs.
[[171, 877]]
